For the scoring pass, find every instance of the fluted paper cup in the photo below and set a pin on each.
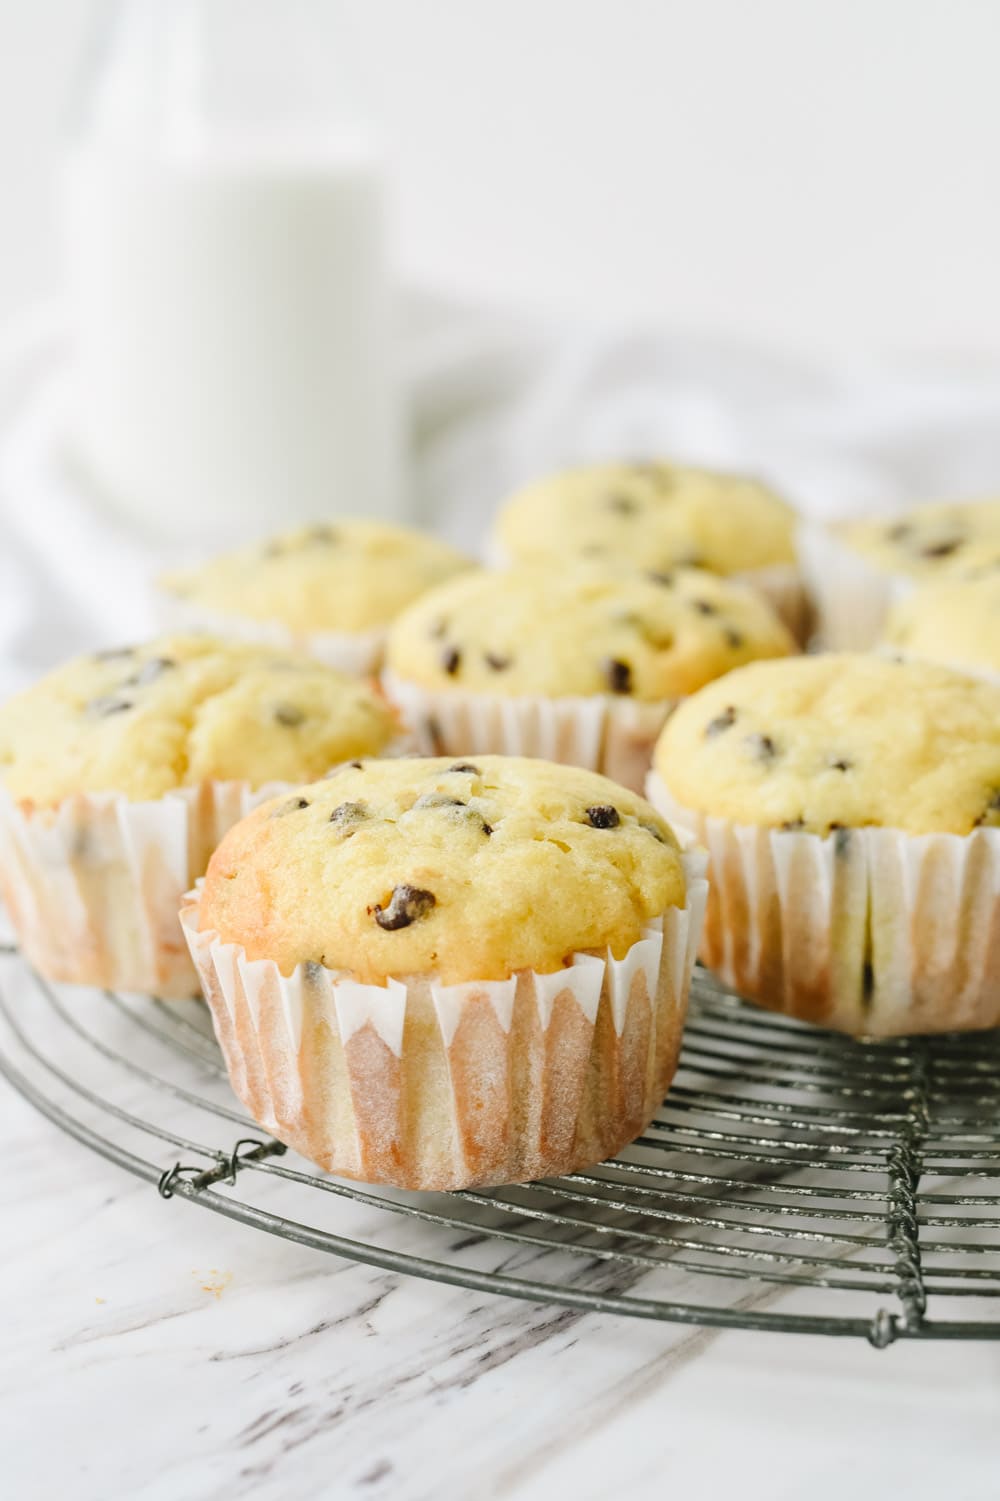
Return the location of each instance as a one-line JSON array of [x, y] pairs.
[[869, 931], [850, 597], [432, 1086], [602, 732], [92, 885], [359, 654], [783, 587]]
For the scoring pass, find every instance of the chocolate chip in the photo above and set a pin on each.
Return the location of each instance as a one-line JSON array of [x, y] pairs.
[[704, 606], [723, 721], [761, 747], [841, 764], [346, 815], [150, 671], [406, 905], [603, 816], [104, 707], [451, 658], [295, 805], [618, 675], [455, 807], [941, 549], [496, 662], [990, 816], [289, 715], [657, 577], [466, 766], [623, 504], [790, 825], [734, 638]]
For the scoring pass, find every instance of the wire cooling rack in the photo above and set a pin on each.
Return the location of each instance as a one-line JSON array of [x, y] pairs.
[[793, 1180]]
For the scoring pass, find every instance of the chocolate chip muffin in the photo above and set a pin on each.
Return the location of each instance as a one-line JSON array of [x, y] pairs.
[[956, 621], [120, 771], [857, 569], [581, 665], [451, 972], [330, 590], [851, 809], [659, 516]]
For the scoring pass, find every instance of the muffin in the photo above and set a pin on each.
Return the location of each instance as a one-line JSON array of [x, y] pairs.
[[660, 516], [856, 569], [956, 621], [437, 974], [850, 806], [120, 772], [581, 665], [328, 590]]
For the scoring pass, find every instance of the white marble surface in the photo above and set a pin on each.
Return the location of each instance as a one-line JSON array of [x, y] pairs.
[[155, 1351]]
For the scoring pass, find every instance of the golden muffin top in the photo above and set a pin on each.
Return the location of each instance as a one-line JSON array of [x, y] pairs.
[[839, 741], [458, 869], [349, 576], [955, 621], [930, 540], [584, 628], [181, 710], [657, 515]]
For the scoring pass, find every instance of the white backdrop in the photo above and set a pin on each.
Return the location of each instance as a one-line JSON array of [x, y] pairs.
[[817, 173]]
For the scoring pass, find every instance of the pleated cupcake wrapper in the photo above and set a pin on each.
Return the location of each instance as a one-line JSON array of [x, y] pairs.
[[869, 931], [851, 597], [782, 586], [358, 654], [93, 886], [603, 733], [780, 583], [433, 1086]]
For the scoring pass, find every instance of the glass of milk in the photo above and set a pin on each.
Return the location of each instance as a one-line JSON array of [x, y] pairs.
[[225, 235]]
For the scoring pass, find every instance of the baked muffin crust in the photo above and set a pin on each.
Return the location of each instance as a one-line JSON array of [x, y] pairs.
[[836, 742], [181, 710], [348, 576], [457, 869], [581, 629], [657, 515]]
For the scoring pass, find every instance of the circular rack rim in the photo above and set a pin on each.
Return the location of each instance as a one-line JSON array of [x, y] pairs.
[[801, 1130]]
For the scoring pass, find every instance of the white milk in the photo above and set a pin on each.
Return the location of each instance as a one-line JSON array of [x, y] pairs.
[[233, 333]]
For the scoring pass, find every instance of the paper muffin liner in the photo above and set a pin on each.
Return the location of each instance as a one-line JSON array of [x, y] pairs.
[[869, 931], [783, 587], [605, 733], [93, 885], [357, 653], [850, 597], [432, 1086]]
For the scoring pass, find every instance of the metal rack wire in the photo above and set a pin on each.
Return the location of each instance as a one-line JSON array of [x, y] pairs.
[[793, 1180]]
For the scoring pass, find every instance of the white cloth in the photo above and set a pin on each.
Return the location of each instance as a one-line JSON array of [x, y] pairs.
[[496, 400]]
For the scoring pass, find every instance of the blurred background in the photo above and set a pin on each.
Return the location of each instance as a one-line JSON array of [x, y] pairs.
[[816, 176]]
